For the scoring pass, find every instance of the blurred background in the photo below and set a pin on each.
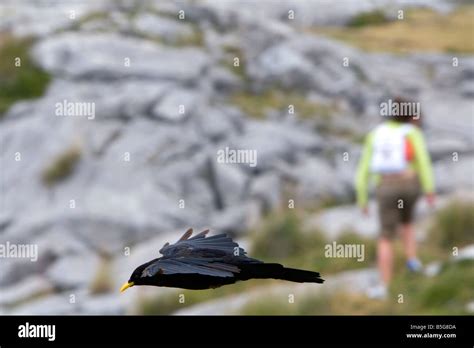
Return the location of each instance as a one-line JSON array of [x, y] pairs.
[[172, 82]]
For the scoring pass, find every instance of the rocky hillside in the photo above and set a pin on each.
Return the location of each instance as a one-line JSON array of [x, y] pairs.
[[174, 82]]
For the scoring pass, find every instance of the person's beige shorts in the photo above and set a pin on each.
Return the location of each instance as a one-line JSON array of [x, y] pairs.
[[396, 198]]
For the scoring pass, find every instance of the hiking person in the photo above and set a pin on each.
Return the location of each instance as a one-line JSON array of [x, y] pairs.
[[395, 157]]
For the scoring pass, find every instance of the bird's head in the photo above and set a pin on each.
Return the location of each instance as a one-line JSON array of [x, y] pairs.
[[138, 277]]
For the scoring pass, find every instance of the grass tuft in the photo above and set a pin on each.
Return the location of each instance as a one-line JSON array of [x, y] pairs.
[[62, 166], [453, 226], [376, 17], [26, 81]]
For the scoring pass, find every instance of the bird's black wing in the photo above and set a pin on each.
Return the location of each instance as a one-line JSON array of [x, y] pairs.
[[182, 265], [202, 246]]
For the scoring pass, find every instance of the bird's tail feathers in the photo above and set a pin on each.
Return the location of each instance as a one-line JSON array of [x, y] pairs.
[[277, 271]]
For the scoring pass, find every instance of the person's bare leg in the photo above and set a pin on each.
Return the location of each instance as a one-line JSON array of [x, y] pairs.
[[409, 241], [385, 259]]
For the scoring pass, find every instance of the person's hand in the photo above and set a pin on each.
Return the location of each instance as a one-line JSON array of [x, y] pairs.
[[365, 210], [431, 199]]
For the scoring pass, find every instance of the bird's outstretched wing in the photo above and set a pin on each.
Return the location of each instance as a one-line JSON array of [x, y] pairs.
[[182, 265], [201, 246]]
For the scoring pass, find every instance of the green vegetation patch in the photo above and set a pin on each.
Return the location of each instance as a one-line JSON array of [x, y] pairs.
[[62, 166], [453, 226], [368, 18], [257, 105], [228, 61], [196, 38], [281, 239], [20, 78]]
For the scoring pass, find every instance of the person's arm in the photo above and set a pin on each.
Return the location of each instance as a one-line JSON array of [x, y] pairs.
[[422, 161], [363, 174]]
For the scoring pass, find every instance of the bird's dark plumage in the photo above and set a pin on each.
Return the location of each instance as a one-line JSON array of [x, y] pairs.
[[202, 262]]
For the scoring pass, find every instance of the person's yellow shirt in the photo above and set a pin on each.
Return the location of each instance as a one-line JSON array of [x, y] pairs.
[[421, 164]]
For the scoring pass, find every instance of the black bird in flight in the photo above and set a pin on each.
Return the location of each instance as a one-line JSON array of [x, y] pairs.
[[202, 262]]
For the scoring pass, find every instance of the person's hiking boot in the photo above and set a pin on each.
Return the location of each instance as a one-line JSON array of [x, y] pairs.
[[414, 265], [377, 292]]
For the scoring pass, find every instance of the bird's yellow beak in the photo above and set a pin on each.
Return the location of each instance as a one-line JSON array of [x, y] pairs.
[[126, 286]]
